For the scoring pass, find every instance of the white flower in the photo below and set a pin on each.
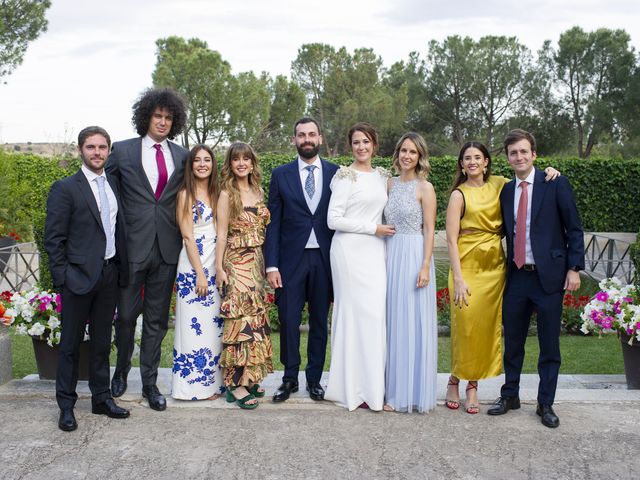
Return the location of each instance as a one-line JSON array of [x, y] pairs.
[[27, 313], [53, 322], [36, 329], [21, 330]]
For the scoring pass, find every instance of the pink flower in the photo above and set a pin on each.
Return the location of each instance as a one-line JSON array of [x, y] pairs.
[[607, 322], [602, 296], [42, 307], [628, 299]]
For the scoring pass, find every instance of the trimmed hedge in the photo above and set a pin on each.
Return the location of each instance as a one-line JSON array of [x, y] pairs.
[[29, 179], [606, 190]]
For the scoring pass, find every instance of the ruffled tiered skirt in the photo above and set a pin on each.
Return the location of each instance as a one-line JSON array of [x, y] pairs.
[[246, 342]]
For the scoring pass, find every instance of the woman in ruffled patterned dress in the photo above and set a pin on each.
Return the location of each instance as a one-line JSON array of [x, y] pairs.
[[358, 333], [197, 373], [240, 275]]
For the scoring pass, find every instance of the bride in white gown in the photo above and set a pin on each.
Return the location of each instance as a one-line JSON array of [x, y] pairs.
[[358, 334]]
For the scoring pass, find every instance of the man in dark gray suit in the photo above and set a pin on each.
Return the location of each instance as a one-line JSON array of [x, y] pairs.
[[148, 170], [85, 239]]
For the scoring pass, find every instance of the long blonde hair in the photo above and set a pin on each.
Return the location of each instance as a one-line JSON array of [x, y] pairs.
[[228, 180]]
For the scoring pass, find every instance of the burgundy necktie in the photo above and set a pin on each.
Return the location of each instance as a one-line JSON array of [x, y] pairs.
[[521, 226], [162, 170]]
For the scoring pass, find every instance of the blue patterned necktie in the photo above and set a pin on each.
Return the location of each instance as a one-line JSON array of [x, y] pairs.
[[310, 182], [105, 215]]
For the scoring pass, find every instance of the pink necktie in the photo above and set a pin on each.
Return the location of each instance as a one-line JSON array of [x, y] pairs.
[[162, 170], [521, 226]]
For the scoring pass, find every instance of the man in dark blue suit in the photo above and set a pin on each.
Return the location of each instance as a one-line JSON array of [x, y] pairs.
[[545, 252], [85, 240], [297, 256]]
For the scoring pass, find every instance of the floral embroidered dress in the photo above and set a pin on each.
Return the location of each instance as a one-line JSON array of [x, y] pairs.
[[246, 354], [197, 373]]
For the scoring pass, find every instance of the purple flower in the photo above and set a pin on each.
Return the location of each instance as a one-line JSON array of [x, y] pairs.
[[602, 296], [607, 322], [628, 300], [42, 307]]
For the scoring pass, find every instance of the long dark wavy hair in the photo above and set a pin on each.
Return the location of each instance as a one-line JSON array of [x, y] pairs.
[[460, 177], [153, 98], [189, 182], [228, 181]]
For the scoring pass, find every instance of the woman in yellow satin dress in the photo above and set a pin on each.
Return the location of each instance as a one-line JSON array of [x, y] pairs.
[[477, 274]]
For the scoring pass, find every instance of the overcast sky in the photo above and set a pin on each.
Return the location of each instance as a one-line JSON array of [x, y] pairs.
[[97, 56]]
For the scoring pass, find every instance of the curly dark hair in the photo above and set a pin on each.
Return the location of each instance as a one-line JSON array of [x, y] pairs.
[[153, 98]]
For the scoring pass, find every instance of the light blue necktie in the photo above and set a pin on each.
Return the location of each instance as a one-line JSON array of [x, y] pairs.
[[310, 182], [105, 215]]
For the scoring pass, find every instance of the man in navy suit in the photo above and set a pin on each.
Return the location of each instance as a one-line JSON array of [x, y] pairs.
[[545, 252], [297, 256], [148, 170], [84, 238]]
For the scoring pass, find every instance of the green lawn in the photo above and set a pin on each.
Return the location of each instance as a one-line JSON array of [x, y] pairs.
[[587, 355]]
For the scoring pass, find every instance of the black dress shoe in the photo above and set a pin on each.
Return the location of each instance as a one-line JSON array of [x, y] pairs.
[[118, 384], [287, 388], [110, 409], [548, 416], [503, 404], [67, 420], [316, 392], [154, 397]]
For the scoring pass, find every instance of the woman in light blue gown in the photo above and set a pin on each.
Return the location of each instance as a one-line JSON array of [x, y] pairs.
[[412, 336]]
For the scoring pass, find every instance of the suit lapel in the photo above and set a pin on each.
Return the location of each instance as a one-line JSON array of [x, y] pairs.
[[326, 181], [293, 180], [507, 210], [539, 190], [87, 193], [135, 153]]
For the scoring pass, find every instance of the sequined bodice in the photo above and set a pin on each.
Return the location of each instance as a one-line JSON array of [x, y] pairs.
[[403, 209]]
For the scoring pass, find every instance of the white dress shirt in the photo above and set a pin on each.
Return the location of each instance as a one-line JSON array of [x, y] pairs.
[[149, 163], [113, 204], [312, 241], [516, 201]]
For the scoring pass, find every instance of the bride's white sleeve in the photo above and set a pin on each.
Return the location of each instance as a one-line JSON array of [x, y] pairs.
[[336, 219]]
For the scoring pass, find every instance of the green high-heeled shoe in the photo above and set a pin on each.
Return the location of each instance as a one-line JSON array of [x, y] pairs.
[[242, 402], [255, 391]]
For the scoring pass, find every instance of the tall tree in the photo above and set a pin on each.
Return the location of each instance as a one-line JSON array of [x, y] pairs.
[[344, 88], [206, 82], [250, 109], [450, 76], [287, 105], [21, 22], [504, 74], [593, 71]]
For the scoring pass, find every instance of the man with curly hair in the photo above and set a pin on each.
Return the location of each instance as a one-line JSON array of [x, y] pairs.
[[149, 171]]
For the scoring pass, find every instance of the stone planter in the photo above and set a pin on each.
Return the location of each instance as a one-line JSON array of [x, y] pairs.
[[631, 357], [5, 355], [4, 254], [47, 359]]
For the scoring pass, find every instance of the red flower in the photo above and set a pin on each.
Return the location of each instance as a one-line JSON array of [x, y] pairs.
[[271, 297]]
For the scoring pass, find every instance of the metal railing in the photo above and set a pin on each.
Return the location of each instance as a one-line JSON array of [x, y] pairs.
[[20, 269], [608, 257]]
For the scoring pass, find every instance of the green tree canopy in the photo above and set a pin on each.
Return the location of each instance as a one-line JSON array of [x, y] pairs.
[[21, 22]]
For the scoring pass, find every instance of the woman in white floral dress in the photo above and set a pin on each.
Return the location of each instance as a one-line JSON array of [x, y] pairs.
[[197, 374], [358, 333]]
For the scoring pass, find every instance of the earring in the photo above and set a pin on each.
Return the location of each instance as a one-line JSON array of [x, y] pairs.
[[464, 174], [484, 171]]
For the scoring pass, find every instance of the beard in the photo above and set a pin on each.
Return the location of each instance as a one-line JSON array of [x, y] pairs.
[[308, 153]]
